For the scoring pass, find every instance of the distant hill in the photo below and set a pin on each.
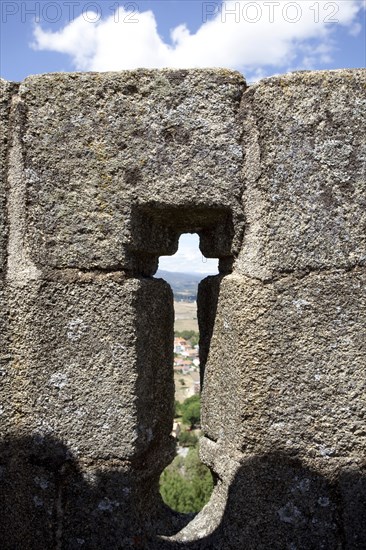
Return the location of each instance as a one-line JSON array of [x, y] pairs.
[[184, 285]]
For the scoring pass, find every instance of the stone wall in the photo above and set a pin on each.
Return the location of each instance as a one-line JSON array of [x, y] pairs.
[[101, 173]]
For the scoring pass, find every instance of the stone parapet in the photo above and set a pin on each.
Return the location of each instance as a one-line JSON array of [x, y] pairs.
[[100, 175], [304, 173]]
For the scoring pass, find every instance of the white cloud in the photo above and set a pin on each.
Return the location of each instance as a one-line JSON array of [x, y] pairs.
[[188, 259], [244, 35]]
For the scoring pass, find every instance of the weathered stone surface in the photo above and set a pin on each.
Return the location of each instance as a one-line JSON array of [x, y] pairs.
[[29, 493], [279, 373], [83, 352], [207, 298], [304, 171], [104, 172], [100, 146], [4, 358], [7, 89], [87, 409], [353, 505], [278, 501], [49, 499], [286, 408]]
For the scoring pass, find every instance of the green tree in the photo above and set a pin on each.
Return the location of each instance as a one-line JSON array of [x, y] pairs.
[[191, 410], [186, 484]]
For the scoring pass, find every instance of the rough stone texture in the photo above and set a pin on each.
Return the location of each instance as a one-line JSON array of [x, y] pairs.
[[207, 297], [82, 351], [7, 89], [103, 173], [52, 500], [284, 402], [91, 382], [304, 172], [121, 143], [4, 354], [275, 342]]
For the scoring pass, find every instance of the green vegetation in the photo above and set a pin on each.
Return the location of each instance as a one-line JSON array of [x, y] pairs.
[[187, 439], [177, 409], [186, 484], [190, 335], [191, 411]]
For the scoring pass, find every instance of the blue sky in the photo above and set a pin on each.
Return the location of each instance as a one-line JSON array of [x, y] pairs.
[[259, 38]]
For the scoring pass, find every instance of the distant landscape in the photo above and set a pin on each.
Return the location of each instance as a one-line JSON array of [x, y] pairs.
[[184, 285], [185, 316], [186, 484]]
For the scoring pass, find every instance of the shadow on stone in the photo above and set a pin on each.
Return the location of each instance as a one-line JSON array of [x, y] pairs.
[[49, 500], [273, 501], [277, 502], [207, 300]]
